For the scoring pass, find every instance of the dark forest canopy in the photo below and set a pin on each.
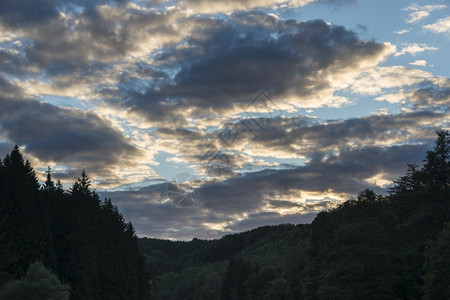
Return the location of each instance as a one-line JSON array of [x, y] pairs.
[[373, 247], [84, 241]]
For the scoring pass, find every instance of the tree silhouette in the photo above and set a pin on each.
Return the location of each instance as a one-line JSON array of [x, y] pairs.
[[86, 242]]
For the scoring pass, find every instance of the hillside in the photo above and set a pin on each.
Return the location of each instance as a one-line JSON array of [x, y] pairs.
[[184, 267]]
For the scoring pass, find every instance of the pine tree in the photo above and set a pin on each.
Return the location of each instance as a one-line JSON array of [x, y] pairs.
[[86, 242], [24, 221], [49, 185]]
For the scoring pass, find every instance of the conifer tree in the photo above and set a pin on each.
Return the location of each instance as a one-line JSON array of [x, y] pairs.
[[86, 242], [24, 218]]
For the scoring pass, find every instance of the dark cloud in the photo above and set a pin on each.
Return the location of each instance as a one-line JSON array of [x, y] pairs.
[[69, 134], [81, 37], [344, 173], [432, 95], [63, 135], [13, 61], [27, 12], [8, 89], [231, 148], [322, 138], [5, 148], [228, 65], [154, 216], [247, 201]]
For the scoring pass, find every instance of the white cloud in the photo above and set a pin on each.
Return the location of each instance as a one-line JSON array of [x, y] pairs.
[[414, 48], [416, 16], [393, 98], [441, 26], [415, 7], [403, 31], [377, 79], [421, 12], [207, 6], [419, 63], [381, 112]]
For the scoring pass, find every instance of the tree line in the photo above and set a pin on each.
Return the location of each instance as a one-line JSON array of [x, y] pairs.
[[394, 246], [72, 235]]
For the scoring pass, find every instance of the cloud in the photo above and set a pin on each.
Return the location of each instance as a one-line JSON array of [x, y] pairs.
[[323, 139], [403, 31], [419, 63], [5, 148], [341, 156], [441, 26], [421, 12], [416, 16], [415, 48], [343, 173], [379, 79], [184, 78], [71, 137], [87, 53], [304, 138], [430, 94], [266, 197], [27, 13], [300, 64], [225, 6], [231, 149], [96, 53], [205, 6]]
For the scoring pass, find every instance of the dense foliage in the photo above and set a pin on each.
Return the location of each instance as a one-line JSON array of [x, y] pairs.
[[39, 283], [84, 241], [372, 247], [252, 264]]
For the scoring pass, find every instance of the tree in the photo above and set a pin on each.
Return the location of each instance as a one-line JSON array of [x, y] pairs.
[[266, 283], [437, 162], [437, 266], [24, 231], [87, 243], [353, 251], [49, 185], [39, 283], [233, 287], [82, 185], [421, 201]]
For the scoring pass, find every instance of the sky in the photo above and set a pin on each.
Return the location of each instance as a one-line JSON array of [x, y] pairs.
[[202, 118]]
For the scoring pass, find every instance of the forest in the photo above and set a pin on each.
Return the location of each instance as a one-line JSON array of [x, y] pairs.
[[57, 244], [71, 245]]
